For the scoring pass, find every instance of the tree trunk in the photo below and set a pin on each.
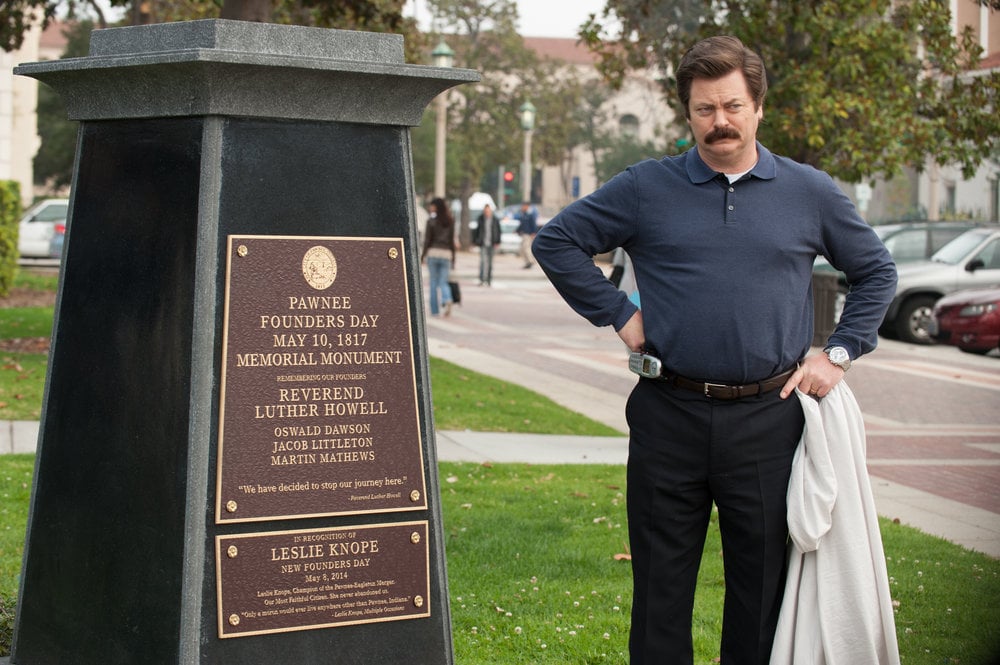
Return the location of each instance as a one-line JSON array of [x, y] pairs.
[[247, 10]]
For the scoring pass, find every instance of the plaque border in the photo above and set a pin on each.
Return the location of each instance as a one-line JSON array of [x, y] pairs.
[[221, 615], [220, 514]]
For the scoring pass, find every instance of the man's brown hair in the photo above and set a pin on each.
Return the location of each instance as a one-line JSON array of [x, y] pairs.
[[715, 57]]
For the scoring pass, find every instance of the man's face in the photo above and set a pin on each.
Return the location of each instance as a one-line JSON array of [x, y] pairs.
[[724, 122]]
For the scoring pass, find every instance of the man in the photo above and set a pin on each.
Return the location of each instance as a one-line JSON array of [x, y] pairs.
[[487, 238], [527, 227], [722, 240]]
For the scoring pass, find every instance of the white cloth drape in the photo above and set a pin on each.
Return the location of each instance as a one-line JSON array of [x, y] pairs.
[[836, 609]]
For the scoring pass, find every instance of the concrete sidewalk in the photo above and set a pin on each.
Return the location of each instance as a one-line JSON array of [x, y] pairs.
[[21, 436]]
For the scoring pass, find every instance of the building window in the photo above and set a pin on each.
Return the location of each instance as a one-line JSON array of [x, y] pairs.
[[628, 125]]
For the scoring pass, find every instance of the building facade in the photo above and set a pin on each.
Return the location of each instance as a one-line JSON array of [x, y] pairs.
[[638, 109], [18, 123]]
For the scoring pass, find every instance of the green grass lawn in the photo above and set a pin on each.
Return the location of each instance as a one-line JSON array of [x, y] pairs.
[[536, 576], [22, 382], [536, 572], [464, 399], [22, 375]]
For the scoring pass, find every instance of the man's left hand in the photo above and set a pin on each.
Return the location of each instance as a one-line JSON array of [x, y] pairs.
[[816, 376]]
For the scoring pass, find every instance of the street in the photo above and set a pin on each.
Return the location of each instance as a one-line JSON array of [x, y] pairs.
[[931, 412]]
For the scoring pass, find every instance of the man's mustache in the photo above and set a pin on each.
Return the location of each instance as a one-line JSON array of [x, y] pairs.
[[720, 134]]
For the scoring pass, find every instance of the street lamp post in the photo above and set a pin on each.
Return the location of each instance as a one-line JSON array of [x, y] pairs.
[[442, 56], [528, 125]]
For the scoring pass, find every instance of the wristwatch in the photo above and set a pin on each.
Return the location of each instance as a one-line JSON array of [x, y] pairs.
[[839, 356]]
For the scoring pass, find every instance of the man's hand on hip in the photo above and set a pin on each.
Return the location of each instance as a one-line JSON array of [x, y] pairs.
[[816, 376]]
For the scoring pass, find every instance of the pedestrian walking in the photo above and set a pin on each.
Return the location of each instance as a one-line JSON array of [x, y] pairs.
[[527, 227], [722, 240], [487, 237], [439, 254]]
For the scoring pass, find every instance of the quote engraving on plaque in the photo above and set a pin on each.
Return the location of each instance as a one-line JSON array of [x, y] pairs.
[[320, 578], [318, 399]]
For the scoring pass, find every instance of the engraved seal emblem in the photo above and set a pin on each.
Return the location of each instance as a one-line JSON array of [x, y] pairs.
[[319, 267]]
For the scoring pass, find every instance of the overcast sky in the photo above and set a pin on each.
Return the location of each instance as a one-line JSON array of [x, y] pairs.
[[539, 18]]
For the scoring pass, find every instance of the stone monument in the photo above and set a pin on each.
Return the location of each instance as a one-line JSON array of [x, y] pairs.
[[236, 459]]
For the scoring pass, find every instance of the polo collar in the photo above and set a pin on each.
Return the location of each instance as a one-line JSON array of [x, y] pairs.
[[699, 172]]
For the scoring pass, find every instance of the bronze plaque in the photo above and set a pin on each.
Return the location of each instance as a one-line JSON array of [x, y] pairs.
[[318, 578], [318, 399]]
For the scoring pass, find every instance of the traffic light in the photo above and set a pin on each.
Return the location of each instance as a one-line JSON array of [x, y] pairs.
[[509, 185]]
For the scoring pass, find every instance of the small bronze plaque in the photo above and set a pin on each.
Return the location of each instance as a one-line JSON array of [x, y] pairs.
[[318, 399], [319, 578]]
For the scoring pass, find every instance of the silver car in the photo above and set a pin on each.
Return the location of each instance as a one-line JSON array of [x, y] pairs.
[[39, 226], [969, 261]]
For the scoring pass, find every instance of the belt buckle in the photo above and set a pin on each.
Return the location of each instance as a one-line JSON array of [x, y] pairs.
[[708, 386]]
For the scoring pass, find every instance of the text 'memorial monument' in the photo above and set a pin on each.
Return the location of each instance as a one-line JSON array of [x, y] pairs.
[[236, 460]]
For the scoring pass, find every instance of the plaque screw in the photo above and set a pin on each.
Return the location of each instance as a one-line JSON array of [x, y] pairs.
[[393, 253], [232, 551], [418, 601], [415, 537], [415, 495], [234, 619], [231, 506], [242, 250]]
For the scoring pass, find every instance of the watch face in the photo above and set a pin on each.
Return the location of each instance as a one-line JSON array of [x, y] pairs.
[[839, 356]]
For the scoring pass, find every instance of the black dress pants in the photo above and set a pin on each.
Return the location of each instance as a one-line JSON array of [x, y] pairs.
[[687, 451]]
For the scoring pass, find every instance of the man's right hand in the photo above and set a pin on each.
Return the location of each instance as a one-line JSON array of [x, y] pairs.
[[632, 332]]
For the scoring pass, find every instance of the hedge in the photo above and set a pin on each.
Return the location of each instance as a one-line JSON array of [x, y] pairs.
[[10, 215]]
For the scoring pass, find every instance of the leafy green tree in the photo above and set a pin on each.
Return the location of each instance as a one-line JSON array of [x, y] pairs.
[[484, 129], [53, 164], [371, 15], [856, 87], [556, 92], [591, 120], [621, 152], [422, 142]]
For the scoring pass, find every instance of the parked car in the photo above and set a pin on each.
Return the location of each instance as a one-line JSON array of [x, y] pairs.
[[39, 226], [971, 260], [911, 241], [969, 320], [58, 240], [907, 242]]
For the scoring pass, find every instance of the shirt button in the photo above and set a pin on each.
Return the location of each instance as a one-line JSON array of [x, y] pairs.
[[732, 189], [730, 207]]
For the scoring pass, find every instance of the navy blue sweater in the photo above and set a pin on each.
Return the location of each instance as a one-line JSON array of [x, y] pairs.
[[724, 271]]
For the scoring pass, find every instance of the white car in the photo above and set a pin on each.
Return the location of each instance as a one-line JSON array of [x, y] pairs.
[[39, 226], [972, 260]]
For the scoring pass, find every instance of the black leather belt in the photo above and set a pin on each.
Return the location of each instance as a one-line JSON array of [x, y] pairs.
[[725, 391]]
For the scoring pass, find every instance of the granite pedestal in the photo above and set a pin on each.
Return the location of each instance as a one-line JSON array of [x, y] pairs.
[[198, 141]]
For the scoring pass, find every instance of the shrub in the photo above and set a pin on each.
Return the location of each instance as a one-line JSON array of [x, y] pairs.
[[10, 215]]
